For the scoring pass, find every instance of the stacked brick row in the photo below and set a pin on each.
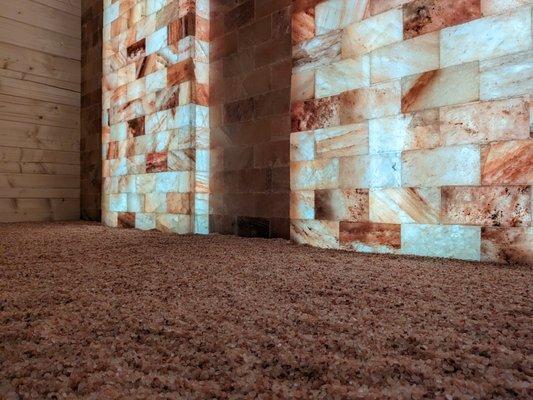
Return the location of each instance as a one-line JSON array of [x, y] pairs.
[[411, 127]]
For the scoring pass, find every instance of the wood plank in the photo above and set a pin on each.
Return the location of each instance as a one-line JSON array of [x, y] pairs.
[[23, 204], [19, 210], [55, 83], [16, 154], [19, 109], [41, 16], [38, 91], [10, 154], [19, 134], [71, 6], [20, 59], [23, 181], [39, 193], [51, 169], [73, 87], [39, 39], [40, 168], [10, 166], [39, 216]]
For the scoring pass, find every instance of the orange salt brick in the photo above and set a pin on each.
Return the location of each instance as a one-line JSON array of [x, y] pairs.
[[181, 72], [200, 94], [179, 203], [181, 28], [303, 25], [112, 151], [202, 29], [130, 150], [507, 163], [507, 245]]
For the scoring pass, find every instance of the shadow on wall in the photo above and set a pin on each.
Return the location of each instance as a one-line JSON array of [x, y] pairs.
[[91, 110], [250, 77]]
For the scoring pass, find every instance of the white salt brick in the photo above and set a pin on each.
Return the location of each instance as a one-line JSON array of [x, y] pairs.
[[145, 221], [317, 174], [372, 33], [448, 241], [336, 14], [506, 76], [351, 73], [453, 165], [405, 58], [486, 38]]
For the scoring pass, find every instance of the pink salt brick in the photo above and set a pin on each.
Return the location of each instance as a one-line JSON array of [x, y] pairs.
[[156, 162]]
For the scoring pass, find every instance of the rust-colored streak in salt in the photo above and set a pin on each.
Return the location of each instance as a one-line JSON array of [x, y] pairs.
[[200, 94], [507, 163], [303, 25], [314, 114], [424, 16], [422, 84], [180, 72], [181, 28], [112, 151], [372, 234]]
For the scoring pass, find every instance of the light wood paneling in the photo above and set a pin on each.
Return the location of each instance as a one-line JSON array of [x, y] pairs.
[[69, 6], [37, 155], [40, 168], [38, 91], [39, 39], [36, 14], [27, 61], [32, 136], [20, 109], [40, 76], [26, 77], [19, 210]]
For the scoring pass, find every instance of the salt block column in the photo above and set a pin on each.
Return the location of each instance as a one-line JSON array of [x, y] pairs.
[[155, 115]]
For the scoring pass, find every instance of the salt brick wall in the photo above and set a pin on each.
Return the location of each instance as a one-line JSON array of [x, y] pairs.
[[155, 115], [410, 122], [91, 109], [250, 74], [411, 127]]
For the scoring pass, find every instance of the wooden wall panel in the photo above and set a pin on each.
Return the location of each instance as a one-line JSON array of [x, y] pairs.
[[40, 39], [28, 11], [31, 62], [40, 78], [68, 6]]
